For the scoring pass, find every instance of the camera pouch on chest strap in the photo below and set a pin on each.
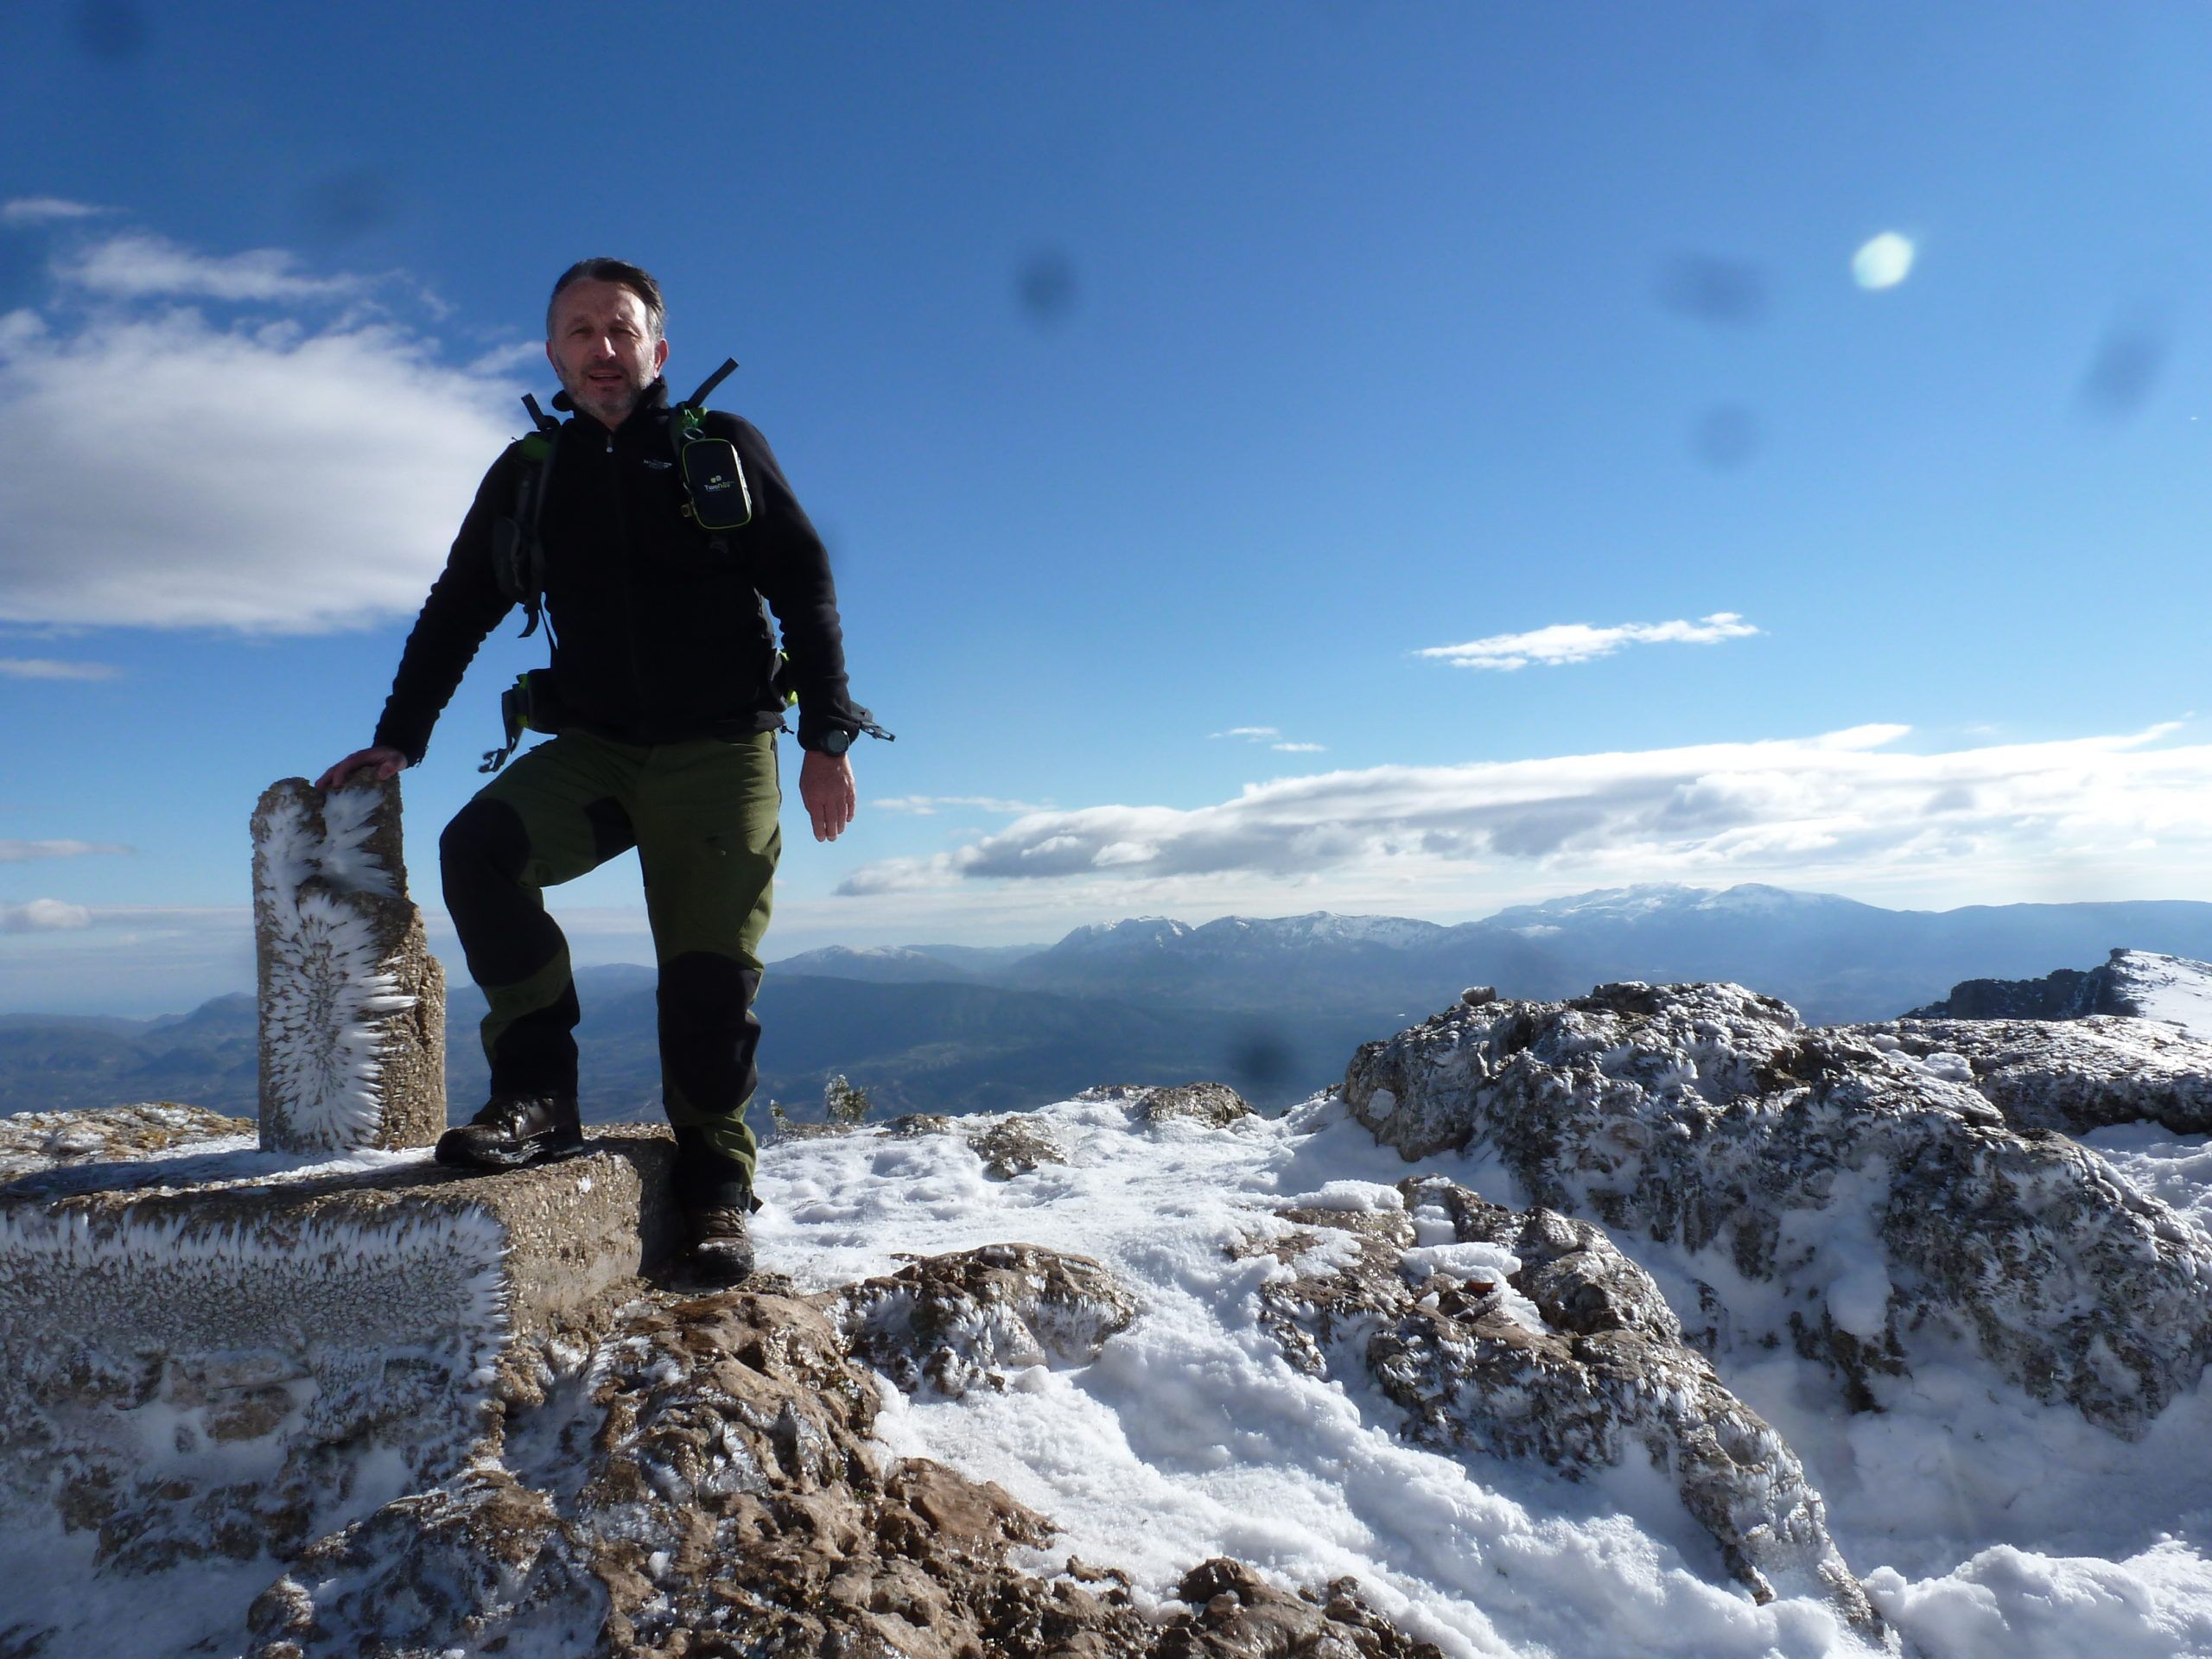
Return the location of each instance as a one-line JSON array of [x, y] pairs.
[[714, 479]]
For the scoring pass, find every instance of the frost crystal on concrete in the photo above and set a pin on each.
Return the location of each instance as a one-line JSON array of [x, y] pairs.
[[187, 1378], [351, 1001], [214, 1350]]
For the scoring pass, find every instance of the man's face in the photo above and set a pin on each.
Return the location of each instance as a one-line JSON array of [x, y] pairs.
[[602, 349]]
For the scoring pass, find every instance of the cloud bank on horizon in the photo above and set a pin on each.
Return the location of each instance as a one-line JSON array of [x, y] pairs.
[[17, 851], [1801, 808], [266, 438], [44, 915]]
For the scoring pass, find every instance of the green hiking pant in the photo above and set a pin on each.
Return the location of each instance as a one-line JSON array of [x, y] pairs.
[[703, 816]]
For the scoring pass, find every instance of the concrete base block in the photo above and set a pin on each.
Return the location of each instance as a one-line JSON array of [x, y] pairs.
[[213, 1349]]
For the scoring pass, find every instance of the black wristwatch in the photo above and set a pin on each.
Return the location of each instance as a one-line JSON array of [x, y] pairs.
[[835, 741]]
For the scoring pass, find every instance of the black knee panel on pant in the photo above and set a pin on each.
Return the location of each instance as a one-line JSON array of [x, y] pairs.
[[503, 928], [486, 840], [709, 1035]]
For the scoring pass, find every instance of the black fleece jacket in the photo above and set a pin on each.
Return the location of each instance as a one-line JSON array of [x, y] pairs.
[[656, 638]]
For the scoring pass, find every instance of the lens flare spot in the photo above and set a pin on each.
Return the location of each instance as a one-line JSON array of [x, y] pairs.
[[1884, 261]]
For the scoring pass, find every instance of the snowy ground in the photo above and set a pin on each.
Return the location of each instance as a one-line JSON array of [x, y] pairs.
[[1984, 1522]]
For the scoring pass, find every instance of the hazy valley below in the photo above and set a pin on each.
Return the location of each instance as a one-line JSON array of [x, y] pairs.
[[1273, 1006]]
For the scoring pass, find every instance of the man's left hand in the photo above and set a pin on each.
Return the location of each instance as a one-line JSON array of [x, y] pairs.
[[825, 784]]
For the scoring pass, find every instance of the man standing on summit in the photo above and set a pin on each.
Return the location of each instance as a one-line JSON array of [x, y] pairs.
[[665, 694]]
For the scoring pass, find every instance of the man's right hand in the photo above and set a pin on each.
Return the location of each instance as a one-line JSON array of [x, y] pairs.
[[388, 763]]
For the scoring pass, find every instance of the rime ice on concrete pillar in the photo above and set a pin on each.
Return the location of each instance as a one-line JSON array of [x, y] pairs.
[[353, 1002]]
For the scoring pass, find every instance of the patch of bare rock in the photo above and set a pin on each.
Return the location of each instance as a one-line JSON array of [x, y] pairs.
[[1010, 1146], [1213, 1105], [1893, 1182], [953, 1322], [704, 1486]]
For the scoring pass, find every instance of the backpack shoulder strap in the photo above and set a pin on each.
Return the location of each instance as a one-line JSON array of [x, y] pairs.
[[520, 556]]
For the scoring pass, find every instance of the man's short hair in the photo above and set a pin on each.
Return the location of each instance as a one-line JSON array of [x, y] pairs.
[[623, 274]]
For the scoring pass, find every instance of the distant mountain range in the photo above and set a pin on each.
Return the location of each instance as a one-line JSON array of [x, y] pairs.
[[1834, 958], [1273, 1005]]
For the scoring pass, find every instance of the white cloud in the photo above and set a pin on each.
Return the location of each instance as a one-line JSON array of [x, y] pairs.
[[1578, 642], [19, 852], [519, 354], [43, 916], [1847, 807], [45, 210], [1272, 737], [48, 668], [929, 805], [137, 266], [266, 476]]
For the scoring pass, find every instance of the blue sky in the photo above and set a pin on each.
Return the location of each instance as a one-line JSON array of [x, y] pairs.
[[1167, 379]]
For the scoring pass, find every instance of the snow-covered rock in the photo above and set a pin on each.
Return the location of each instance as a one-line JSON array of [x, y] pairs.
[[2143, 984], [955, 1322], [1529, 1335], [1011, 1147], [1583, 1384], [2074, 1075], [1889, 1201], [1214, 1104], [707, 1485]]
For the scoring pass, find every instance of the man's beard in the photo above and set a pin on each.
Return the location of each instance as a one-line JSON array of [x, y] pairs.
[[614, 404]]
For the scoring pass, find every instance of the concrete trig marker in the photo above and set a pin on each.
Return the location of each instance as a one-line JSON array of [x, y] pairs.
[[215, 1347], [351, 1001]]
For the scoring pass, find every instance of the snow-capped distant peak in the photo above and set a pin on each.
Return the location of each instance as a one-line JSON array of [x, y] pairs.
[[1130, 933], [1662, 899], [1753, 895], [1623, 903], [1326, 927]]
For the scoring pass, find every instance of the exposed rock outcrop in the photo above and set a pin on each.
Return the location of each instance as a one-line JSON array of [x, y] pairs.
[[954, 1321], [705, 1486], [2133, 984], [1879, 1190], [2066, 994], [1009, 1147], [1214, 1104], [1530, 1336], [2073, 1076]]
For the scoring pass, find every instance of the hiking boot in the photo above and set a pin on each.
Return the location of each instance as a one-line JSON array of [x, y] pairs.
[[514, 1131], [713, 1194], [721, 1241]]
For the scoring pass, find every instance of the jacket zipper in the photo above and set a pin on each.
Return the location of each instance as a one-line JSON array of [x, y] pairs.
[[629, 592]]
